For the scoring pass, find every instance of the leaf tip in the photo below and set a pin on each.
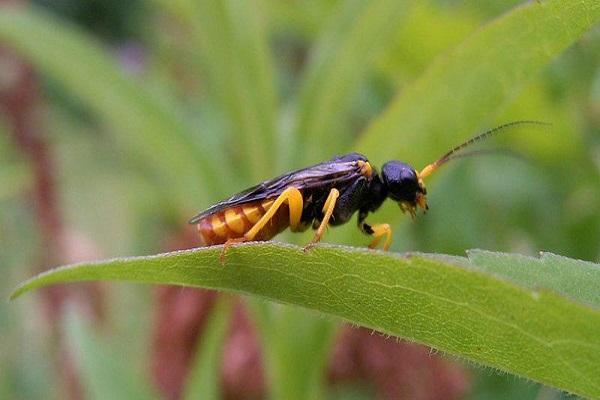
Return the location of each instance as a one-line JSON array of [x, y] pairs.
[[19, 290]]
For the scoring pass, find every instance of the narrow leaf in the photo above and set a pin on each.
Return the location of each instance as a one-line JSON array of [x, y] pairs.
[[293, 372], [233, 51], [148, 128], [465, 89], [339, 62], [105, 375], [203, 381], [573, 278], [533, 333]]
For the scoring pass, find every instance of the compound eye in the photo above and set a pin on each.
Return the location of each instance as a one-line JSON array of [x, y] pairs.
[[408, 178]]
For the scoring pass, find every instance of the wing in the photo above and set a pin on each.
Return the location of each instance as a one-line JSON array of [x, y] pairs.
[[339, 170]]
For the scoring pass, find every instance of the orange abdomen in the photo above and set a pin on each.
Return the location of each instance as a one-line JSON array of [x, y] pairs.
[[236, 221]]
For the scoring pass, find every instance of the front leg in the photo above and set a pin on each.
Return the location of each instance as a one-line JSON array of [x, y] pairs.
[[377, 231]]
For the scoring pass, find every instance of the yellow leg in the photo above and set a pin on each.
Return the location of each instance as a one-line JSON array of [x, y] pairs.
[[295, 202], [379, 230], [293, 197], [328, 208]]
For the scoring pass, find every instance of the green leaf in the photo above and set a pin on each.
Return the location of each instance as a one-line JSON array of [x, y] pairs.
[[203, 381], [150, 129], [468, 86], [433, 300], [573, 278], [293, 372], [285, 334], [339, 63], [104, 374], [233, 51]]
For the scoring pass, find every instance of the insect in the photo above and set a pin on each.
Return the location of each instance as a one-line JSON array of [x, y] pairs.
[[328, 193]]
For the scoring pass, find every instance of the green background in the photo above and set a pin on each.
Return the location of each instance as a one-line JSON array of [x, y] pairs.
[[216, 96]]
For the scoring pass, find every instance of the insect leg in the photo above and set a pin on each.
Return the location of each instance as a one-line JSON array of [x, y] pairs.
[[290, 195], [377, 231], [293, 197], [328, 210]]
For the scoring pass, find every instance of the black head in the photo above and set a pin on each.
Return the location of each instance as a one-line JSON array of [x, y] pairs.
[[404, 186]]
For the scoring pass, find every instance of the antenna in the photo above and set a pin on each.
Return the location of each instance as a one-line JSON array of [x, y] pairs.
[[455, 152]]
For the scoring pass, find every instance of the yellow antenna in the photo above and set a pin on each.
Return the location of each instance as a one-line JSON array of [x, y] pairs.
[[454, 153]]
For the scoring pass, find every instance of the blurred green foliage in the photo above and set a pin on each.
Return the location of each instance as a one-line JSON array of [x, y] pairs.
[[156, 109]]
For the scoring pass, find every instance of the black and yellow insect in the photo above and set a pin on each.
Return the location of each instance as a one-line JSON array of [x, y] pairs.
[[328, 193]]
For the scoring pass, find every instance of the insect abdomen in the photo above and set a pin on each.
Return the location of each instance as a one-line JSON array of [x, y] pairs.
[[234, 222]]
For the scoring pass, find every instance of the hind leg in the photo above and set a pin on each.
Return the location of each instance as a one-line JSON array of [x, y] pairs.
[[291, 196]]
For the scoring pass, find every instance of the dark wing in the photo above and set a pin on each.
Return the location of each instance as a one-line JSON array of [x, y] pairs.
[[339, 170]]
